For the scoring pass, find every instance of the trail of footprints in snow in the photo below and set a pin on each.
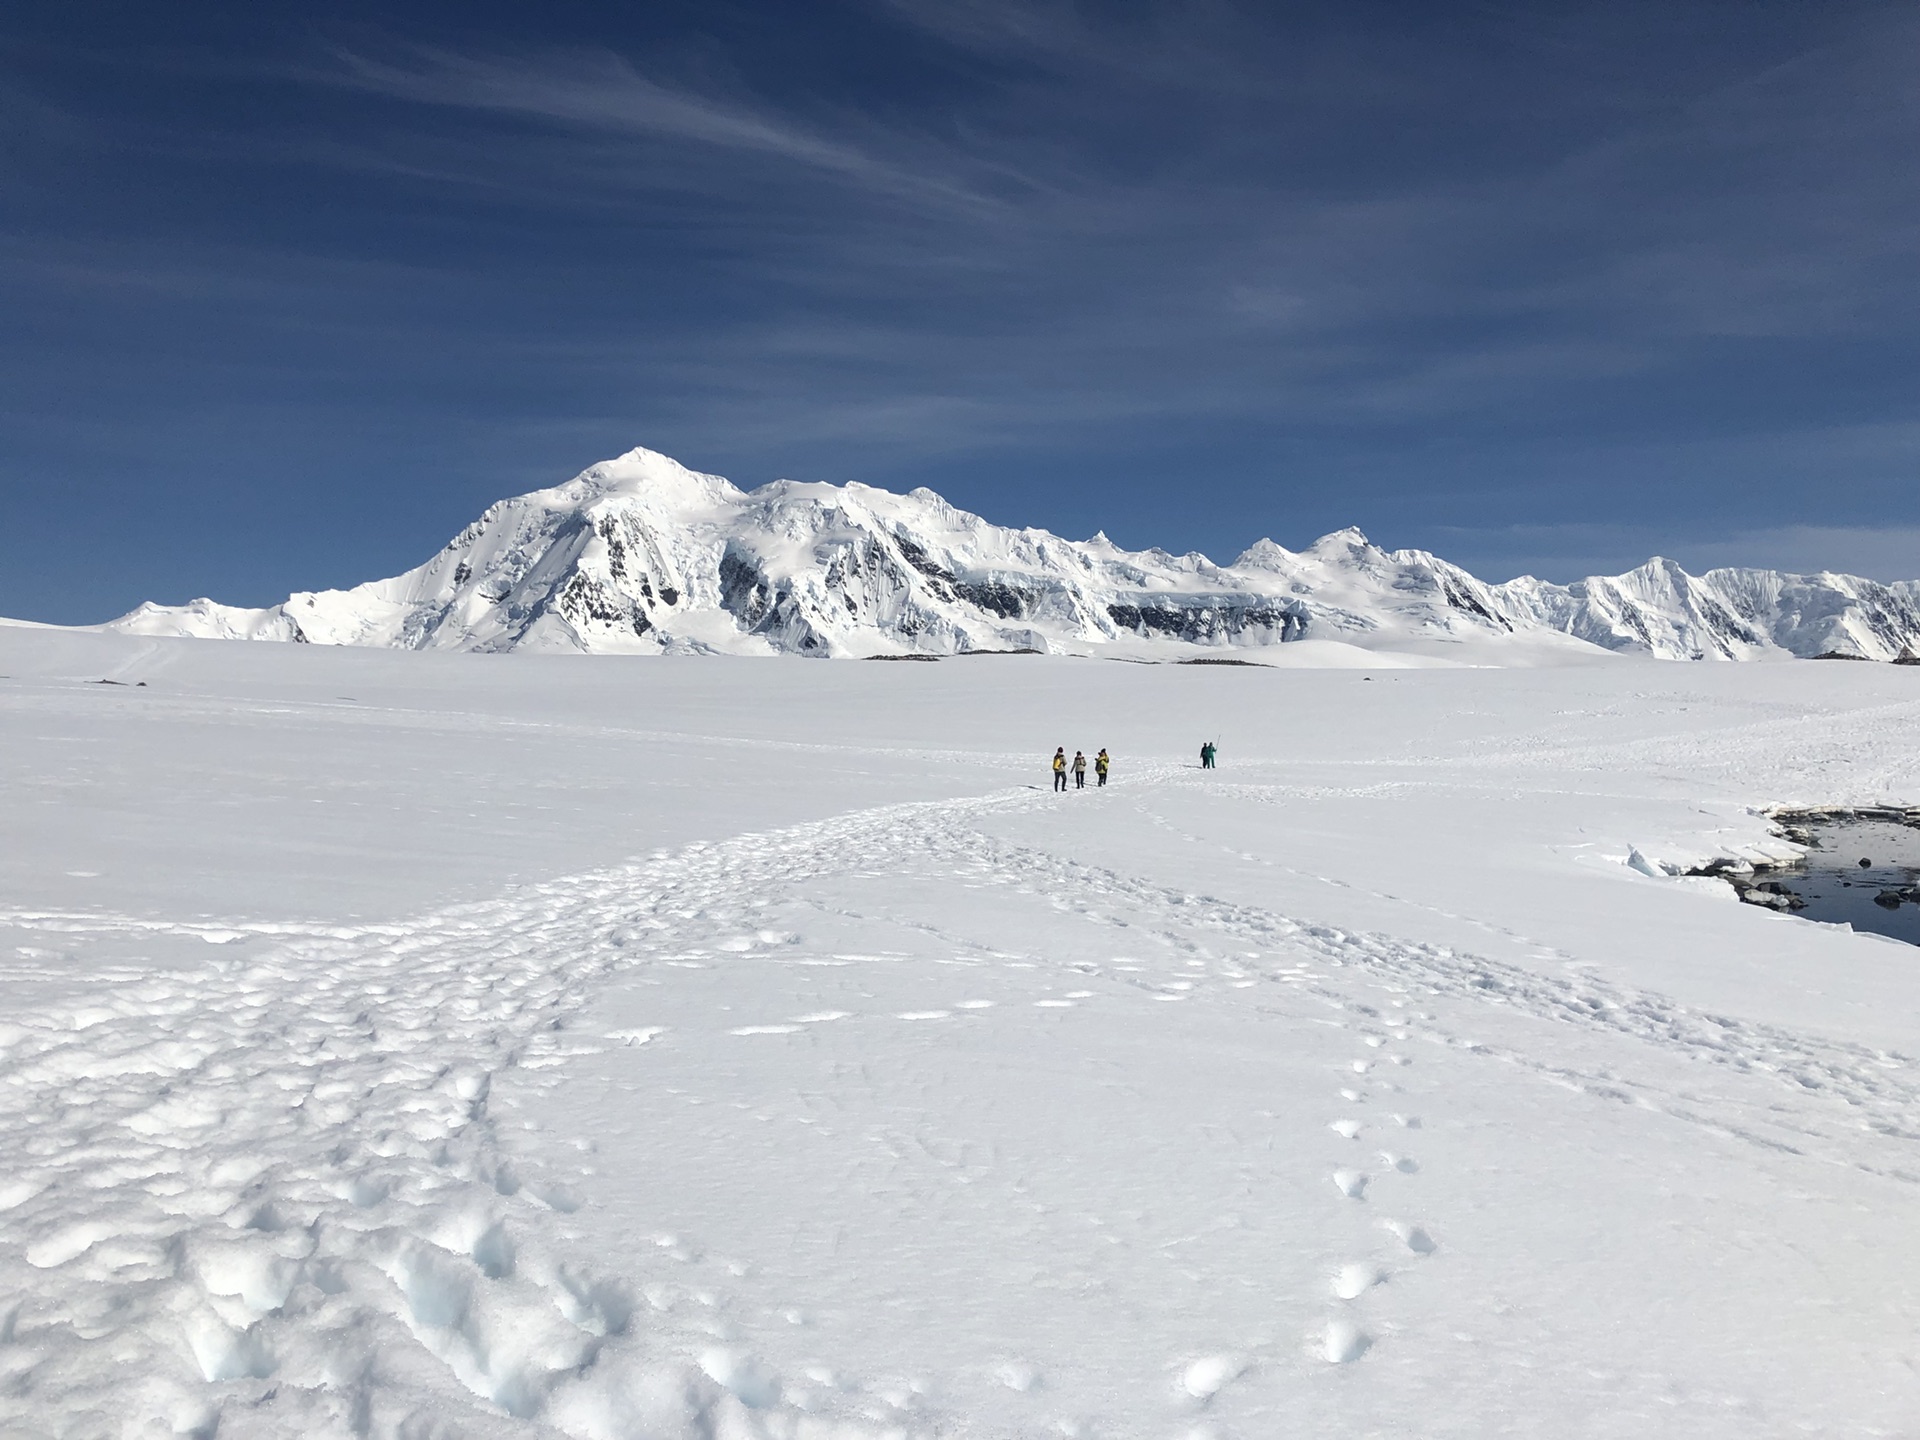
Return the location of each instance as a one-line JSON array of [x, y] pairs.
[[275, 1179], [1274, 794], [1825, 1090], [1345, 1337]]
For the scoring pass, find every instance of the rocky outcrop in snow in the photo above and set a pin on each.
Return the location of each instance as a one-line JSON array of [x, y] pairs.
[[642, 555]]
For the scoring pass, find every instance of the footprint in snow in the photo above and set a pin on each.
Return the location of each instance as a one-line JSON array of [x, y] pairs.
[[756, 1386], [363, 1191], [1204, 1378], [1405, 1164], [923, 1015], [1347, 1129], [642, 1036], [1344, 1342], [766, 1030], [1351, 1183], [682, 1250], [1355, 1280], [1019, 1375], [1412, 1236]]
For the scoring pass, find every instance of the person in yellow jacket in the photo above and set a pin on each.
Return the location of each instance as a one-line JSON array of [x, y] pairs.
[[1100, 764], [1060, 768]]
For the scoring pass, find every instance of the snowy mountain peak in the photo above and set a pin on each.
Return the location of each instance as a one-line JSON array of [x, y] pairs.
[[641, 475], [640, 554], [1658, 571], [1265, 555], [1351, 538]]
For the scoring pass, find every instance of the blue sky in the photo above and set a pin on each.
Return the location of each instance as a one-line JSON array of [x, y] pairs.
[[288, 294]]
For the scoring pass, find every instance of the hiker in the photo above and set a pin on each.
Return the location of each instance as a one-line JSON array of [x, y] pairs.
[[1079, 769], [1060, 768], [1100, 763], [1206, 756]]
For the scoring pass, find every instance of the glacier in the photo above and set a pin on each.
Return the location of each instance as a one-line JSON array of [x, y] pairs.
[[641, 555]]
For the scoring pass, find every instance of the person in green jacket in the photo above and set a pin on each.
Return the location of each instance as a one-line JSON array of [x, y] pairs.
[[1207, 753], [1060, 768], [1100, 763]]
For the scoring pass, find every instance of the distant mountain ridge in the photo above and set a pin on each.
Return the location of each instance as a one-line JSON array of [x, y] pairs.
[[642, 555]]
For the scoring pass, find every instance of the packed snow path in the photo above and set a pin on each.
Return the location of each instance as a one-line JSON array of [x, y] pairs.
[[291, 1194]]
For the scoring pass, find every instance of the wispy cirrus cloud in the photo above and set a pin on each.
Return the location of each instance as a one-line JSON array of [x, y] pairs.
[[600, 93], [1449, 273]]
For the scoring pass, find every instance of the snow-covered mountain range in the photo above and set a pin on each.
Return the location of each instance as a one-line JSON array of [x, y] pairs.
[[642, 555]]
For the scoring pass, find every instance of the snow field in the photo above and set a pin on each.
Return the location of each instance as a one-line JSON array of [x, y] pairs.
[[1357, 1088], [939, 1160]]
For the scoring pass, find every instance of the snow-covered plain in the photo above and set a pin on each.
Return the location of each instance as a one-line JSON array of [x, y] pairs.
[[410, 1045]]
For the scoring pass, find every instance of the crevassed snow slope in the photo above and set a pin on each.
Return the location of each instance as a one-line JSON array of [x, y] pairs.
[[429, 1044], [640, 554]]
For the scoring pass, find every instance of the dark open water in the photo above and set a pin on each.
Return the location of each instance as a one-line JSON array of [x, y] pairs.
[[1836, 888]]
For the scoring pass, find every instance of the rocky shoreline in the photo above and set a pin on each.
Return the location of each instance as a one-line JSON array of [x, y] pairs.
[[1768, 885]]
